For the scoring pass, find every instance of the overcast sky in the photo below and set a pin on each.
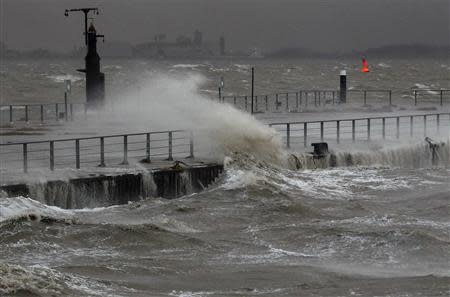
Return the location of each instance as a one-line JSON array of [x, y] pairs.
[[328, 25]]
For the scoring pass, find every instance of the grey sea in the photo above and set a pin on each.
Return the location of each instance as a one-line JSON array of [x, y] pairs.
[[375, 224]]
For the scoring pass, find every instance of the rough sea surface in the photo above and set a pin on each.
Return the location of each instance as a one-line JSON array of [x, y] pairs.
[[378, 227]]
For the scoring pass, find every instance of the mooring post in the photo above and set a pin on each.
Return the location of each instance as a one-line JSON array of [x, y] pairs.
[[170, 158], [25, 157], [305, 134], [102, 152], [338, 128], [411, 126], [253, 85], [288, 135], [125, 150], [42, 114], [424, 125], [77, 153], [353, 130], [66, 109], [191, 145], [26, 113], [10, 113], [368, 129], [343, 87], [321, 131], [398, 128], [52, 155], [147, 148], [383, 128]]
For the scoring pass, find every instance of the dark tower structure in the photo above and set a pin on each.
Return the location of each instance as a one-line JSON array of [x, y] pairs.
[[95, 80]]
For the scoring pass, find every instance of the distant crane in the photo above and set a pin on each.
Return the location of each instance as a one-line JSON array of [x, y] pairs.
[[85, 11]]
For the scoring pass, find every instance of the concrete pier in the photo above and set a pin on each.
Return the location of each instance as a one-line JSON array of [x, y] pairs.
[[97, 189]]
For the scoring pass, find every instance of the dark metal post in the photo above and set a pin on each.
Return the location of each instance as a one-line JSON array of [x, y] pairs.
[[220, 94], [384, 128], [26, 113], [321, 131], [305, 134], [338, 131], [102, 152], [10, 113], [368, 129], [147, 148], [306, 98], [170, 158], [424, 125], [71, 111], [56, 111], [256, 103], [390, 98], [334, 96], [288, 135], [442, 95], [52, 155], [191, 145], [77, 153], [411, 126], [415, 98], [42, 114], [365, 98], [315, 98], [287, 101], [276, 101], [125, 150], [398, 128], [246, 105], [267, 104], [353, 130], [343, 87], [253, 85], [296, 101], [437, 122], [66, 109], [234, 101], [25, 158]]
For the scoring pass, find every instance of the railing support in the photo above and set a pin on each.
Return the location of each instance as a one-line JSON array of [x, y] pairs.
[[442, 97], [170, 158], [415, 98], [66, 109], [77, 153], [384, 128], [191, 145], [147, 148], [267, 103], [52, 155], [353, 130], [397, 134], [368, 129], [56, 111], [390, 98], [438, 122], [305, 134], [321, 131], [25, 157], [424, 125], [102, 152], [411, 126], [288, 135], [125, 150], [338, 127], [287, 101]]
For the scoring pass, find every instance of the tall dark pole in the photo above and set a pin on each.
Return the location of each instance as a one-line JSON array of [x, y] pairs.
[[253, 85], [343, 87]]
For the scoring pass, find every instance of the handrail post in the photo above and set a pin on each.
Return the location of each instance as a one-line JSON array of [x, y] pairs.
[[398, 128], [102, 152], [77, 153], [25, 157], [10, 113], [42, 114], [384, 128], [321, 131], [147, 148], [288, 135], [26, 113], [305, 134], [66, 109], [125, 150], [368, 129], [424, 125], [52, 155], [411, 126], [338, 124], [437, 123], [170, 158], [353, 130], [191, 145]]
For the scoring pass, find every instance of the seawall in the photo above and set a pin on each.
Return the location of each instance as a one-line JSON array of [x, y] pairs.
[[105, 190]]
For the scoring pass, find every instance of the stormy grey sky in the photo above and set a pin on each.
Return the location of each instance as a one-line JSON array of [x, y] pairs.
[[327, 25]]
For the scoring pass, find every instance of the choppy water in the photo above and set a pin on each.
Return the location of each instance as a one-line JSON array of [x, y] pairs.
[[377, 225]]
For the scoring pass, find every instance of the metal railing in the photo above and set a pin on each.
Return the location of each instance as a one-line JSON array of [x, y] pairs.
[[429, 96], [363, 129], [97, 150], [41, 112]]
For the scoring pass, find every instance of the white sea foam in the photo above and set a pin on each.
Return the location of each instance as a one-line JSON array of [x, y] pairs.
[[187, 65], [62, 78]]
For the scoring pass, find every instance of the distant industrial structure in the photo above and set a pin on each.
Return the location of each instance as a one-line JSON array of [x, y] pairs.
[[182, 47]]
